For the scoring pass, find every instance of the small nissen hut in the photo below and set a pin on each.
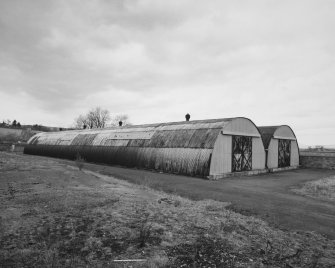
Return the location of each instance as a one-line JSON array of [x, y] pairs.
[[203, 148], [281, 147]]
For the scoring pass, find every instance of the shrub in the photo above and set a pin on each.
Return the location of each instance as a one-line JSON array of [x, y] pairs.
[[79, 161], [11, 190]]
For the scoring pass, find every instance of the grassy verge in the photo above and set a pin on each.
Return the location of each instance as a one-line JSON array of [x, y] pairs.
[[323, 189], [53, 215]]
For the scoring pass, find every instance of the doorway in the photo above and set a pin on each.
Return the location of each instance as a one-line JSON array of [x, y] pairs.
[[284, 153], [241, 153]]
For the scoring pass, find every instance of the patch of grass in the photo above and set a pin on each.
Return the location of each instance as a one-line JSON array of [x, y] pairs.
[[321, 189], [146, 231], [11, 190], [96, 223]]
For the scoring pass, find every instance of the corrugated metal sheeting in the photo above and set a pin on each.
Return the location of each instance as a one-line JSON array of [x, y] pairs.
[[178, 147], [186, 147]]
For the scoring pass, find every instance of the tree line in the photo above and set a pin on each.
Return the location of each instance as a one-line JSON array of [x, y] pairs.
[[8, 123], [100, 118], [94, 118]]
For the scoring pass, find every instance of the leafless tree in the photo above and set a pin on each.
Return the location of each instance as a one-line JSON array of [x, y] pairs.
[[121, 117], [98, 117], [95, 118], [81, 122]]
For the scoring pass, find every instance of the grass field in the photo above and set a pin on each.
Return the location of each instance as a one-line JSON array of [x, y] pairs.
[[323, 189], [56, 215]]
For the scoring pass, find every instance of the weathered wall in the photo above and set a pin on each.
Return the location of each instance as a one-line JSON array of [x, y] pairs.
[[317, 160]]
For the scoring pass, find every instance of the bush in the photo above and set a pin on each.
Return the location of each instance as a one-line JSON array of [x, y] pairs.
[[79, 161]]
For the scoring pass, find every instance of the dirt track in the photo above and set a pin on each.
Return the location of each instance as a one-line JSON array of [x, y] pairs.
[[268, 196]]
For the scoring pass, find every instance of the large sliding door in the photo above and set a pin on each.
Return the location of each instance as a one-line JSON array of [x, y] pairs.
[[241, 153], [284, 153]]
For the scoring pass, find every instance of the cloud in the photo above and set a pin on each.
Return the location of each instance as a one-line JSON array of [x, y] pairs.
[[157, 60]]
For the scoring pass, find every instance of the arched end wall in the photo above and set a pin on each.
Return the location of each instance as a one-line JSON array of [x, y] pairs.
[[283, 132], [221, 161]]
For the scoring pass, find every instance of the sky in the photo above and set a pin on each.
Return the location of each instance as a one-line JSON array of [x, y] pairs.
[[156, 60]]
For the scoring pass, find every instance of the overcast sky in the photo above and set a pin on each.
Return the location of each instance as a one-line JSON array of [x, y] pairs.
[[270, 61]]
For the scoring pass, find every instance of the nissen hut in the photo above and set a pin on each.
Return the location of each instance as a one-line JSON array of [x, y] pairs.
[[207, 148], [281, 147]]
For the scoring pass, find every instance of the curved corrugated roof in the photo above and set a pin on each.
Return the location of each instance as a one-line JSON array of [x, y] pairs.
[[176, 147], [191, 134], [267, 134], [207, 123]]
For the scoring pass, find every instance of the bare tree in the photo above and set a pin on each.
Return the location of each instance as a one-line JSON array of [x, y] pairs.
[[98, 117], [120, 117], [95, 118], [82, 122]]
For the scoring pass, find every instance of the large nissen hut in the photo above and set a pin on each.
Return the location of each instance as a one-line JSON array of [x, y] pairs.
[[198, 148], [281, 146]]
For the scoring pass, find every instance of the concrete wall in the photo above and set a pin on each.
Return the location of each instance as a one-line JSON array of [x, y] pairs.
[[324, 160]]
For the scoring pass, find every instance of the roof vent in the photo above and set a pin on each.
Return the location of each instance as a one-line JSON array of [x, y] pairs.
[[187, 116], [120, 123]]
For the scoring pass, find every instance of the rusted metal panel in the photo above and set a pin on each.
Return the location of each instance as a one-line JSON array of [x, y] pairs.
[[136, 143], [116, 143], [204, 138], [185, 161], [83, 139]]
